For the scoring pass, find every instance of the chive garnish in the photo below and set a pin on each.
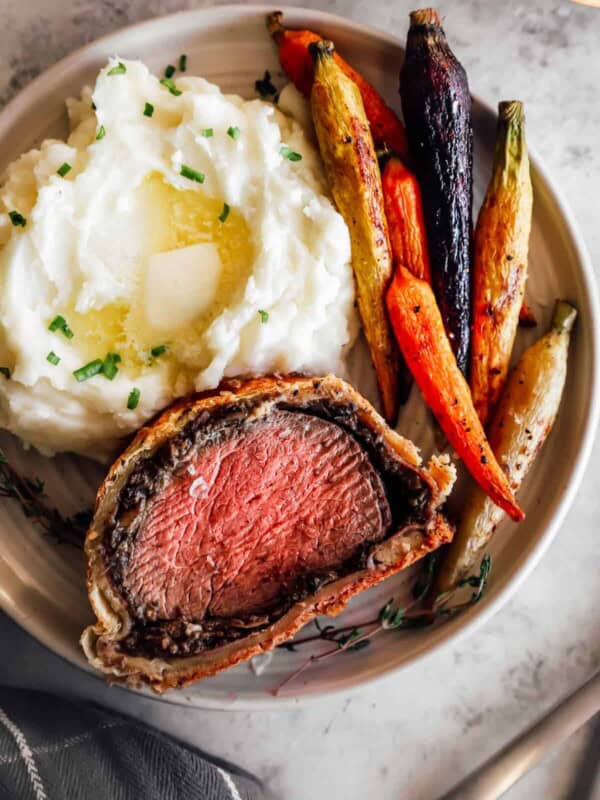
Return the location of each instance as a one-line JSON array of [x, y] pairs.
[[109, 367], [192, 174], [234, 132], [133, 399], [168, 83], [101, 133], [208, 132], [5, 371], [182, 62], [120, 69], [225, 213], [159, 350], [264, 317], [17, 219], [169, 71], [62, 170], [148, 109], [53, 358], [89, 370], [59, 323], [288, 153]]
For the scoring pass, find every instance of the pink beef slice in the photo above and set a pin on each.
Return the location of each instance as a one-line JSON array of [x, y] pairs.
[[286, 497]]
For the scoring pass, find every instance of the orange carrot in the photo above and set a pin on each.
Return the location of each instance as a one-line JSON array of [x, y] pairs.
[[404, 212], [297, 64], [420, 332], [526, 316]]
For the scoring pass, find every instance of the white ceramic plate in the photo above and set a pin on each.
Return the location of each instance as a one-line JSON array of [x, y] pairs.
[[42, 584]]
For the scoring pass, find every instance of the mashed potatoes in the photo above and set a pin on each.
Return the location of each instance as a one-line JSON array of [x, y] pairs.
[[176, 238]]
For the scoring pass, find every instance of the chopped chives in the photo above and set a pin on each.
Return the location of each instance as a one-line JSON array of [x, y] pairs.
[[264, 317], [133, 399], [89, 370], [17, 219], [288, 153], [120, 69], [148, 109], [168, 83], [192, 174], [208, 132], [233, 132], [109, 367], [169, 71], [59, 323], [225, 213], [53, 358], [182, 62], [159, 350], [101, 133], [5, 371], [62, 170]]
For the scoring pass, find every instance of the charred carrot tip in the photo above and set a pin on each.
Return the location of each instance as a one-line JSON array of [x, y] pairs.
[[275, 24]]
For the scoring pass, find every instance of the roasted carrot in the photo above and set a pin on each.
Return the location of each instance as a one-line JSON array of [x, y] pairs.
[[297, 64], [524, 418], [500, 260], [404, 213], [526, 316], [420, 333], [436, 102], [348, 153]]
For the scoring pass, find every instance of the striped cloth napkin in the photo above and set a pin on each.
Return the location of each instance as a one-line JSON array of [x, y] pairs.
[[52, 748]]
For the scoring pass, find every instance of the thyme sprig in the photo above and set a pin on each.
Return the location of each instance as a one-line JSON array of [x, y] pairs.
[[29, 493], [391, 617]]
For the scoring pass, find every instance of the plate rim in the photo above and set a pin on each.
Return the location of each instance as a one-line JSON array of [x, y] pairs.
[[474, 618]]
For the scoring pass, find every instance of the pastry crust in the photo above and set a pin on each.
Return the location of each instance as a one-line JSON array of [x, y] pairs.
[[101, 642]]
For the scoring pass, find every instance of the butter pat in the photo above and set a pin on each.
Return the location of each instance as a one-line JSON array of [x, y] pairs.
[[181, 285]]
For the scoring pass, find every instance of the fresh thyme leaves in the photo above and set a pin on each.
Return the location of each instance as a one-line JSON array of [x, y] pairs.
[[133, 399], [17, 219], [476, 582], [288, 153], [191, 174], [120, 69], [264, 85], [168, 83], [59, 323], [169, 71], [29, 493], [391, 617], [148, 109], [64, 169]]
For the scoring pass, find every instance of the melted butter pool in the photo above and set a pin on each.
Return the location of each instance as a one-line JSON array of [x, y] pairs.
[[172, 219]]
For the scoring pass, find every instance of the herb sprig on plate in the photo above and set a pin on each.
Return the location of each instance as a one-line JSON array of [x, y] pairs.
[[391, 617], [29, 494]]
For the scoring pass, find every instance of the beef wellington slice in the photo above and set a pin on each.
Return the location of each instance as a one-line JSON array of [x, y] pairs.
[[239, 515]]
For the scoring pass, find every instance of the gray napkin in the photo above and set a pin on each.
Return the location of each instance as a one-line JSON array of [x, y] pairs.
[[52, 748]]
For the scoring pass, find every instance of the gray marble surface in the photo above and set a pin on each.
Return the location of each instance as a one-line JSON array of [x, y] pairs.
[[414, 734]]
